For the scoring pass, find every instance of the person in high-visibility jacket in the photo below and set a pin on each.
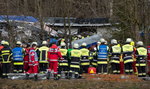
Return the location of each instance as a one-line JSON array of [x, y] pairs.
[[93, 58], [1, 47], [141, 54], [127, 56], [102, 58], [18, 54], [6, 53], [85, 63], [115, 54], [33, 61], [75, 61], [43, 60], [63, 65]]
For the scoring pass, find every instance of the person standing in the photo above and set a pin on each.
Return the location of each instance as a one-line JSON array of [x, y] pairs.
[[102, 59], [75, 55], [85, 62], [127, 56], [115, 55], [43, 60], [141, 54], [18, 53], [33, 62], [6, 53], [53, 56]]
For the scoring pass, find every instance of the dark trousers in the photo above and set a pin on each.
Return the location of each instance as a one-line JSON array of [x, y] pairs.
[[84, 69], [115, 68], [6, 69], [141, 71], [128, 68], [18, 69], [43, 66], [102, 68]]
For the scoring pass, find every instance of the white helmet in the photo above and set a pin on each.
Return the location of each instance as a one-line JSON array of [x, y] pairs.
[[44, 43], [18, 43], [76, 45], [63, 44], [140, 43], [128, 40], [98, 42], [102, 40], [84, 44], [3, 41], [34, 43], [114, 41]]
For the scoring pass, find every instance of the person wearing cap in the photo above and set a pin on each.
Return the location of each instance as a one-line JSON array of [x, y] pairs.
[[75, 61], [33, 62], [63, 65], [141, 55], [115, 55], [18, 54], [102, 57], [127, 56], [54, 56], [6, 53], [43, 60], [85, 63]]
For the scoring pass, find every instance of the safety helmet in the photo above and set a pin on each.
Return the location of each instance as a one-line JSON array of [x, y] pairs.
[[140, 43], [6, 43], [44, 43], [76, 45], [18, 43], [114, 41], [84, 44], [35, 43], [98, 42], [106, 42], [102, 40], [128, 40], [2, 42], [63, 44]]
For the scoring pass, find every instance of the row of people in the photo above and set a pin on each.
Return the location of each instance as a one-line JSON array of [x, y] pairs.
[[75, 61]]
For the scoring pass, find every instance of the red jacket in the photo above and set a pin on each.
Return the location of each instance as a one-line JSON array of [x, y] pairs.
[[26, 56], [33, 58], [54, 53]]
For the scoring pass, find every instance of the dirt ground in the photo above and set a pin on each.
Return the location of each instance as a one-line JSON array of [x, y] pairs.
[[91, 82]]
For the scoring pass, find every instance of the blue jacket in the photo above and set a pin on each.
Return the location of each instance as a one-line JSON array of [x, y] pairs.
[[102, 52], [17, 54]]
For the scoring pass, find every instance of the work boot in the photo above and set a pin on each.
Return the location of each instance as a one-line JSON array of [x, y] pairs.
[[56, 77], [27, 76], [35, 77], [48, 75], [76, 76]]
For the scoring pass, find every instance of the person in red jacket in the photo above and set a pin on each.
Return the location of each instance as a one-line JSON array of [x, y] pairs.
[[26, 57], [33, 61], [53, 56], [148, 60]]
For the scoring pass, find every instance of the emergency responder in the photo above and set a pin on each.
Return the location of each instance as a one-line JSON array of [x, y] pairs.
[[102, 59], [85, 63], [141, 54], [43, 62], [26, 57], [1, 47], [127, 50], [53, 56], [33, 61], [6, 59], [75, 61], [115, 54], [63, 65], [18, 53], [148, 60]]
